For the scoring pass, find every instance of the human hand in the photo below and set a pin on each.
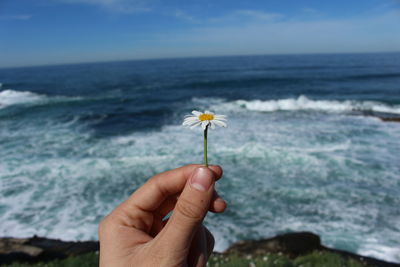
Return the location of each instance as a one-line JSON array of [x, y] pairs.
[[134, 234]]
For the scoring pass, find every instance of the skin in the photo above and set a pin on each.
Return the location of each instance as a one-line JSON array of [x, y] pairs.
[[135, 234]]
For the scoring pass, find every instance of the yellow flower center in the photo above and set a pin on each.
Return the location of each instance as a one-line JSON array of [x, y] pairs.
[[206, 117]]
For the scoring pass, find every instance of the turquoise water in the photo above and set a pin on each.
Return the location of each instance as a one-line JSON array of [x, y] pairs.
[[304, 149]]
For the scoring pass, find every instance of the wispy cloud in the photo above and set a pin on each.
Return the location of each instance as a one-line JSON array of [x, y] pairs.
[[256, 14], [15, 17], [185, 16], [232, 17], [120, 6], [310, 10], [245, 16]]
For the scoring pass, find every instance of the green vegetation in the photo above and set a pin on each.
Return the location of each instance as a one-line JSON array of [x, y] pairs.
[[85, 260], [314, 259]]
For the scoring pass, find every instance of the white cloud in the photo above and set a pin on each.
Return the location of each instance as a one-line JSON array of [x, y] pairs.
[[15, 17], [311, 12], [236, 16], [120, 6], [246, 16], [185, 16], [256, 14]]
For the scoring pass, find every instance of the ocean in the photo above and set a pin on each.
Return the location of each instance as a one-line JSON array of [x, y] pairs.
[[305, 149]]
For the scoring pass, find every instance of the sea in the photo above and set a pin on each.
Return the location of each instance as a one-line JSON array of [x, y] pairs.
[[305, 148]]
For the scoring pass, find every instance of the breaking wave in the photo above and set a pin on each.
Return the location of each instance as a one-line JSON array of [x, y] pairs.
[[304, 103], [10, 97]]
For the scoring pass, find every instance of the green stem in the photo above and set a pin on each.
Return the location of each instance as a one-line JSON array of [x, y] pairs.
[[205, 147]]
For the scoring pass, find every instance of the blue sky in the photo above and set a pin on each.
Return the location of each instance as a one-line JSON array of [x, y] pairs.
[[67, 31]]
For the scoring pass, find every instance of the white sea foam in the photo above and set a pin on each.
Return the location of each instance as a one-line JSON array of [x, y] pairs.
[[373, 248], [304, 103], [10, 97]]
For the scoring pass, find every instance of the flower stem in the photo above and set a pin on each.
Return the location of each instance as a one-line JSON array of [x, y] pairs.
[[205, 147]]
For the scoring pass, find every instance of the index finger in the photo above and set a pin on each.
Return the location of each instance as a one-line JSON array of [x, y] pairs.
[[152, 194]]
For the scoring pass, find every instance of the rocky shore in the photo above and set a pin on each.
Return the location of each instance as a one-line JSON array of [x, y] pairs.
[[37, 249], [297, 244], [391, 119]]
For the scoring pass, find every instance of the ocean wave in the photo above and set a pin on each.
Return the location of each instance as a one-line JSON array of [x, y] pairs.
[[10, 97], [304, 103]]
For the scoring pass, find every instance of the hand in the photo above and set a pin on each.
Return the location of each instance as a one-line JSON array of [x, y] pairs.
[[135, 234]]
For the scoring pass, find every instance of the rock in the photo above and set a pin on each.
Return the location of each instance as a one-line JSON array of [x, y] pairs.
[[293, 244], [41, 249], [16, 245], [392, 119], [296, 244]]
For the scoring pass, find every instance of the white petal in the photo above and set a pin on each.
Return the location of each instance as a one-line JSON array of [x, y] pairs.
[[208, 112], [191, 119], [190, 123], [212, 124], [220, 123], [195, 125], [204, 124], [190, 116], [217, 119], [220, 117], [196, 113]]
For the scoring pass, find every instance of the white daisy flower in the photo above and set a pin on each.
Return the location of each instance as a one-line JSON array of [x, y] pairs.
[[204, 119]]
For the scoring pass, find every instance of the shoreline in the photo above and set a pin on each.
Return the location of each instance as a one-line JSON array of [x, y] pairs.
[[292, 245]]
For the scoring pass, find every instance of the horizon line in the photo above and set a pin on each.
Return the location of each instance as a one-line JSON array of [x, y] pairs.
[[188, 57]]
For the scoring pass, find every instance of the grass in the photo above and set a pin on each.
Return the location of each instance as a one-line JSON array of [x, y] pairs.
[[314, 259], [85, 260]]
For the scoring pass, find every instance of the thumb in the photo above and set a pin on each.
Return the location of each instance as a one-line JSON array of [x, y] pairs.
[[190, 210]]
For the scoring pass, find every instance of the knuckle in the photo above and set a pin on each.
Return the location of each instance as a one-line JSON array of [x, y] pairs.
[[189, 210], [105, 225]]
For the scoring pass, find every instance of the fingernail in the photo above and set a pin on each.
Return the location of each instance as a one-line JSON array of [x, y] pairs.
[[220, 200], [202, 179]]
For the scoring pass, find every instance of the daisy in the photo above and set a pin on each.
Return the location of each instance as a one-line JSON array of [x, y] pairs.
[[206, 119]]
